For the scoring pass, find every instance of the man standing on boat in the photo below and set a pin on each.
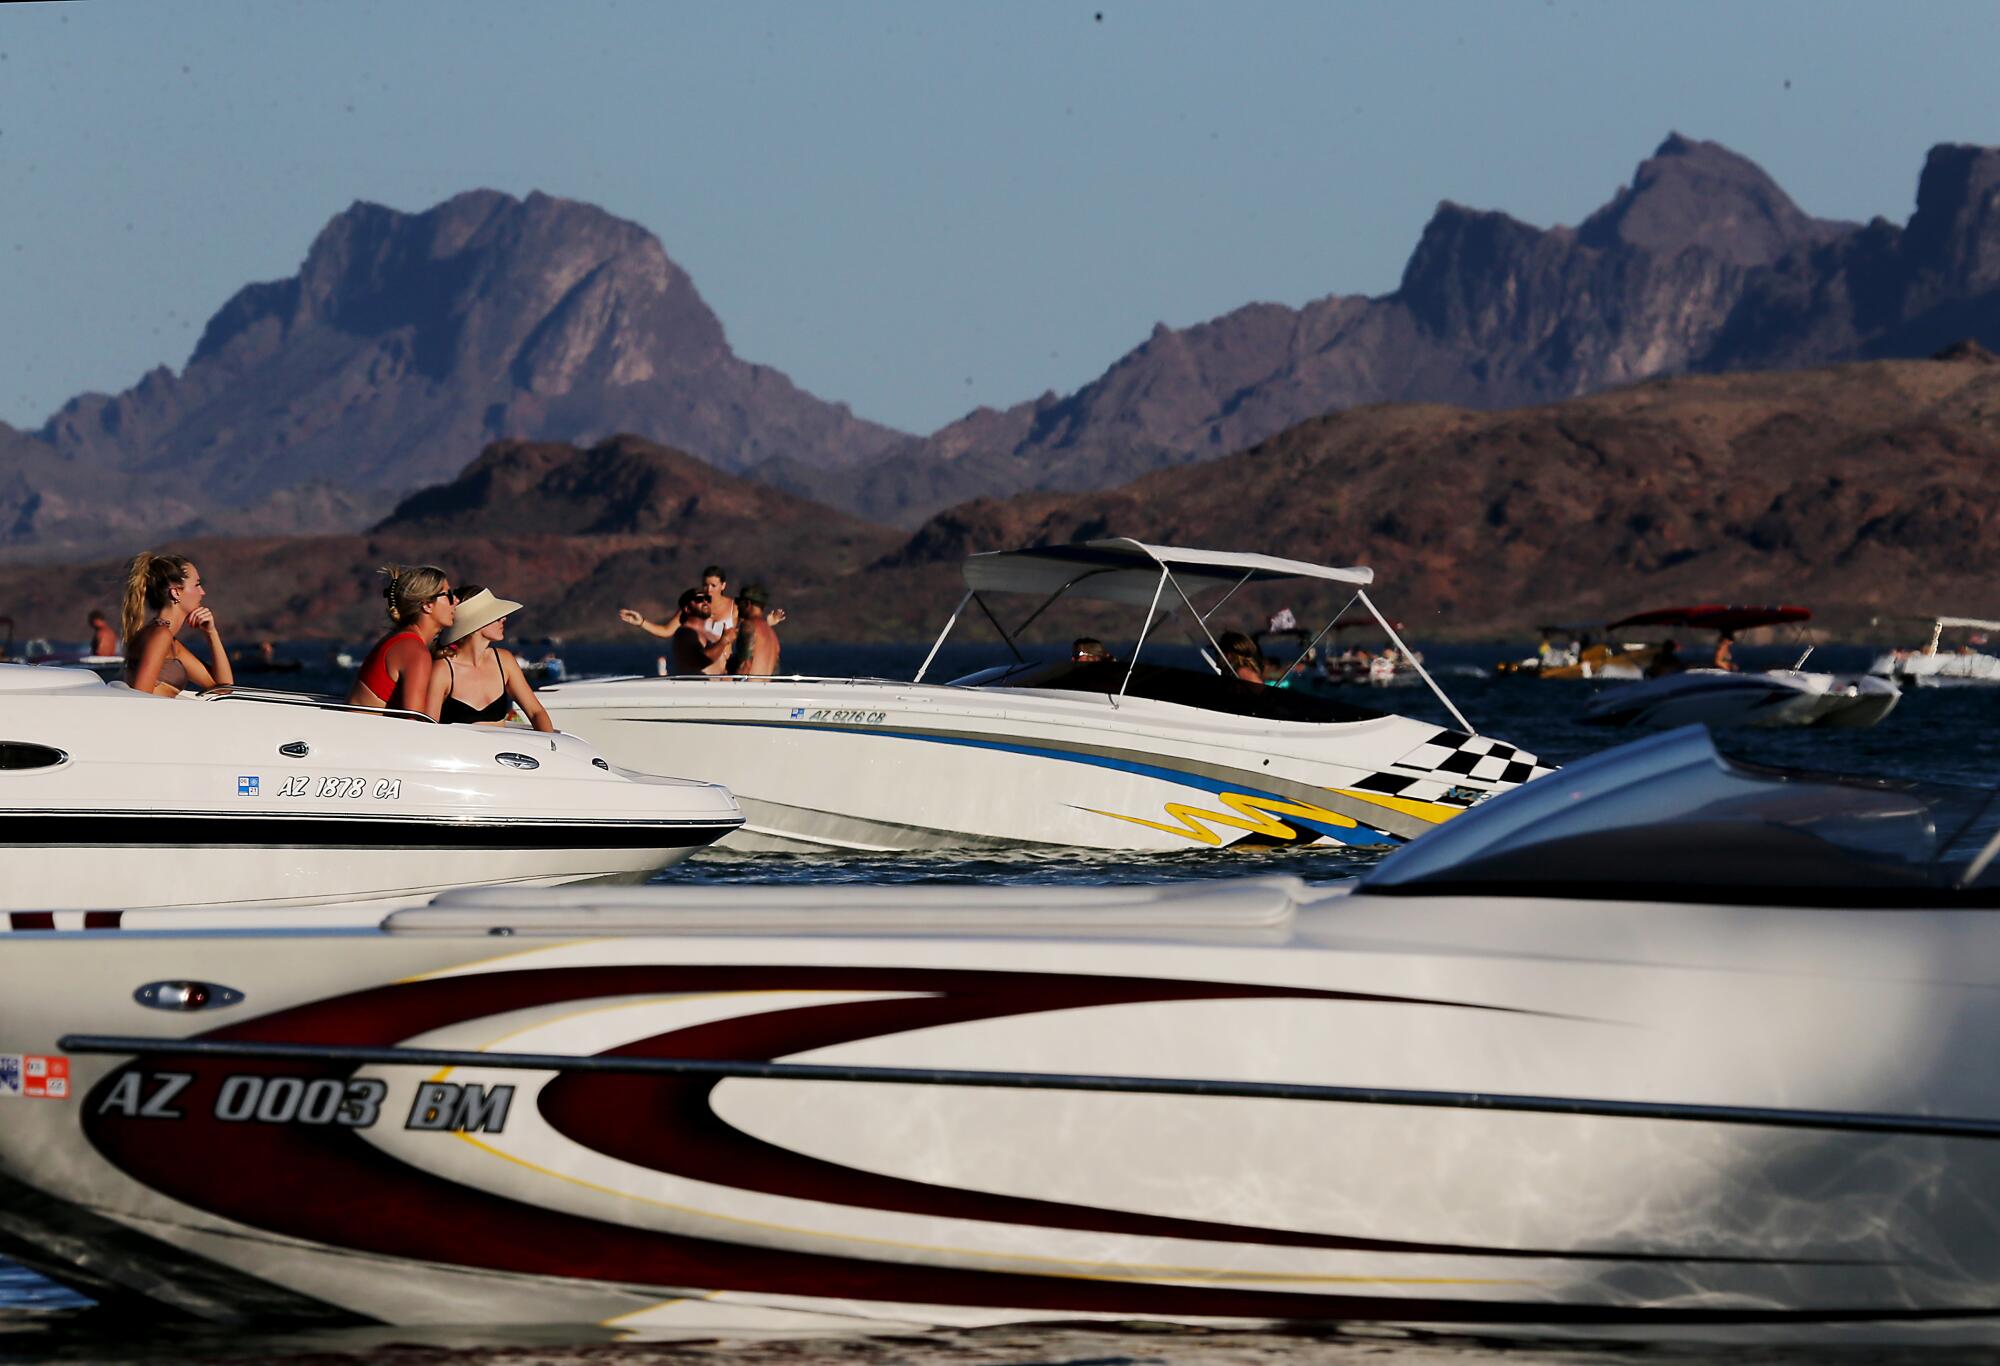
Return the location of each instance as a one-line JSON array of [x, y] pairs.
[[695, 649], [756, 651]]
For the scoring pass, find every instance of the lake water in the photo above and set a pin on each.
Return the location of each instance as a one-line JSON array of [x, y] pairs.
[[1939, 735]]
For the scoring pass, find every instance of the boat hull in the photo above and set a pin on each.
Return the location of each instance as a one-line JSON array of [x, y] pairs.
[[88, 861], [1778, 698], [113, 800], [679, 1204], [1915, 669], [846, 765]]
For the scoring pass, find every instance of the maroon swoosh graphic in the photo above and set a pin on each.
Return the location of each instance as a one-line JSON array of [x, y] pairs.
[[331, 1186], [687, 1138]]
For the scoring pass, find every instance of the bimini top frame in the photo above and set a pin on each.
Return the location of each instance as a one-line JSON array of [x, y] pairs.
[[1123, 570]]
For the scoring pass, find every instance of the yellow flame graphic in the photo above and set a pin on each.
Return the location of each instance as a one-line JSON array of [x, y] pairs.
[[1256, 815]]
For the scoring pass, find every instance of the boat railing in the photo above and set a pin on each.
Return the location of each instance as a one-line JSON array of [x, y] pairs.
[[317, 701], [721, 680]]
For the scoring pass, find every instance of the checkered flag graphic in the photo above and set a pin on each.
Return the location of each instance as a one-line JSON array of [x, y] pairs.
[[1451, 755]]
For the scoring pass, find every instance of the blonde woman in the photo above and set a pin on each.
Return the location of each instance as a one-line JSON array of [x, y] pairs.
[[163, 593], [397, 673], [481, 683]]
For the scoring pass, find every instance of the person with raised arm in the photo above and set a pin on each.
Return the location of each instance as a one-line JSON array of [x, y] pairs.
[[696, 650], [164, 593], [397, 673]]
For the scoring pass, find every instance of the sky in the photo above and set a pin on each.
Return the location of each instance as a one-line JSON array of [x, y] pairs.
[[912, 208]]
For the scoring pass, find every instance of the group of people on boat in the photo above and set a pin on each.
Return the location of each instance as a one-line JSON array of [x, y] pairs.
[[440, 658], [714, 633]]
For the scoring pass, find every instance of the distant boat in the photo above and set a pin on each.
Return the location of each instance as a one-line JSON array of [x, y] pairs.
[[1731, 697], [1578, 657], [1339, 664], [1931, 667], [40, 651]]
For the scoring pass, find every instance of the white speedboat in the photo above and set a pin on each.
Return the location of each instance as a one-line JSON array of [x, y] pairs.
[[1728, 697], [1657, 1048], [1931, 667], [1104, 754], [112, 799]]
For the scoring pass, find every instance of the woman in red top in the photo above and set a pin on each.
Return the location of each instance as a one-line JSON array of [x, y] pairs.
[[397, 672]]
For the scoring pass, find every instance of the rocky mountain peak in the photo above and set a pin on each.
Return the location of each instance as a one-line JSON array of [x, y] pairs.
[[408, 341], [1956, 228], [548, 293], [1701, 194]]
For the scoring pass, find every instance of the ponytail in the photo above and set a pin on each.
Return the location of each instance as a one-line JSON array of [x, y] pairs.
[[149, 584], [409, 588]]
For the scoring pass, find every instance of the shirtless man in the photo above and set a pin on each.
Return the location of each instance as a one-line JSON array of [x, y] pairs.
[[103, 640], [696, 651], [756, 641]]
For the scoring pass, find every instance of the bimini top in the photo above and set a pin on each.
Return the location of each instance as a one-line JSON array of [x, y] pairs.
[[1714, 617], [1128, 571]]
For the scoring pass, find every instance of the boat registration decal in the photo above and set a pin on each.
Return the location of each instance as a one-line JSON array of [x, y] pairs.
[[345, 1103], [342, 786], [843, 716], [34, 1076]]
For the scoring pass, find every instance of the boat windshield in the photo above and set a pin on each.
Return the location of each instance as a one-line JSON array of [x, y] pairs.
[[1669, 818], [1165, 683]]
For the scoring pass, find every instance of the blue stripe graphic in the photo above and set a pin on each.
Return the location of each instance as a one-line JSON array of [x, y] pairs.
[[1345, 834]]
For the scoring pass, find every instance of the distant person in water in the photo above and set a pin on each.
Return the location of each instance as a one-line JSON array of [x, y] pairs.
[[397, 673], [103, 639], [163, 593], [756, 651], [476, 682], [1725, 651]]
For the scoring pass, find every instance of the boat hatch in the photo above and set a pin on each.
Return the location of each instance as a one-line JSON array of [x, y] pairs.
[[1671, 819], [1251, 906]]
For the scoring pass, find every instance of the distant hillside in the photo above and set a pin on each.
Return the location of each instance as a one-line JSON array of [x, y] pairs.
[[1701, 265], [404, 344], [573, 533], [1858, 490]]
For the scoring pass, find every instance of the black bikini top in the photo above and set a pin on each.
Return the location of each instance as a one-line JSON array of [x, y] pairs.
[[455, 712]]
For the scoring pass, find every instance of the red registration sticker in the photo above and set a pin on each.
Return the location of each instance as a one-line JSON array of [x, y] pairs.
[[43, 1077]]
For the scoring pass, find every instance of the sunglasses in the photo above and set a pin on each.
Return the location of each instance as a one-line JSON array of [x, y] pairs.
[[451, 593]]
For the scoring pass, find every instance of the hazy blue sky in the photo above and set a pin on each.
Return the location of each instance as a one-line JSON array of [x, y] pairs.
[[915, 208]]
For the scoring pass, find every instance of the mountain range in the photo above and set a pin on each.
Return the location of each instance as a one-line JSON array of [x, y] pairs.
[[405, 343], [408, 342], [1865, 490]]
